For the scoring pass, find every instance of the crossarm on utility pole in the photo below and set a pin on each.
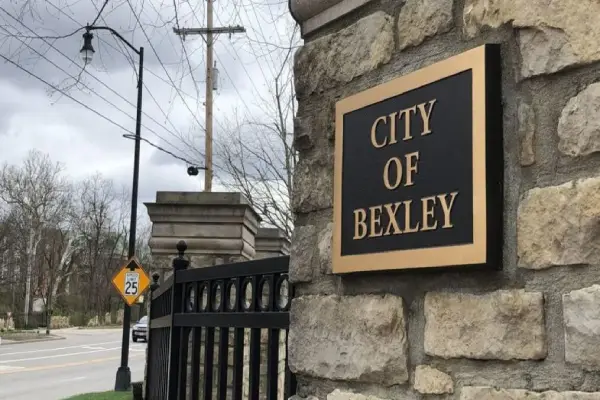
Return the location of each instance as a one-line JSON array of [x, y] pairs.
[[203, 31]]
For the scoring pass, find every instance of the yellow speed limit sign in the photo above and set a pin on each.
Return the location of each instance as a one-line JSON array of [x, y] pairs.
[[131, 281]]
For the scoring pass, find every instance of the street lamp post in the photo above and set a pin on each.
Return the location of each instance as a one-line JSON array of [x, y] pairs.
[[123, 378]]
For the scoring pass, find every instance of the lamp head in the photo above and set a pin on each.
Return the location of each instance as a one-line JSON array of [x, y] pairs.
[[87, 51]]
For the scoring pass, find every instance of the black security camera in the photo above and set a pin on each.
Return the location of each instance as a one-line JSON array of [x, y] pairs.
[[192, 171]]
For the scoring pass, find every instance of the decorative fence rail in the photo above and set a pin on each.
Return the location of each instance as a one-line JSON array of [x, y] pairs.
[[221, 332]]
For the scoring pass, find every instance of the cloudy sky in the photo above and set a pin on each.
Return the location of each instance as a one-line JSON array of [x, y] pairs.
[[44, 37]]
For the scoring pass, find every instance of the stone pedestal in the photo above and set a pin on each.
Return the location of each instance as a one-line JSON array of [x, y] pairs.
[[271, 242], [217, 227]]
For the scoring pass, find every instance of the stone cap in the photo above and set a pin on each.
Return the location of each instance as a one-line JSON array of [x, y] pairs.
[[271, 241], [270, 233], [211, 199], [206, 198], [314, 14]]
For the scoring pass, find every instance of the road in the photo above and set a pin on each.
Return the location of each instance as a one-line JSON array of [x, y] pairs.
[[85, 361]]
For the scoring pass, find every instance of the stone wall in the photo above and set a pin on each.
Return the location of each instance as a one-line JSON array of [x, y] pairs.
[[528, 331]]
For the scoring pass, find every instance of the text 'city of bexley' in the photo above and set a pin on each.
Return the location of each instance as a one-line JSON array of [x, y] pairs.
[[402, 172]]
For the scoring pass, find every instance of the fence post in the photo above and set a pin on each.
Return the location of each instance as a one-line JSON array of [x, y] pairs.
[[179, 264], [153, 286]]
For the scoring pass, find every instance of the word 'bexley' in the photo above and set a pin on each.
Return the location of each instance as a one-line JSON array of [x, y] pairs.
[[435, 210]]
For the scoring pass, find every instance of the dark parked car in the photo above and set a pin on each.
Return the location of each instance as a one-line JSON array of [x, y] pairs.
[[140, 329]]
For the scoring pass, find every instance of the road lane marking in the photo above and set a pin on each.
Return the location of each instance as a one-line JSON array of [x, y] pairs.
[[73, 364], [78, 378], [8, 368], [93, 348], [59, 355], [56, 348]]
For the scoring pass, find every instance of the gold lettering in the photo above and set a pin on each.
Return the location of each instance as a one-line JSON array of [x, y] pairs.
[[386, 173], [374, 133], [411, 166], [360, 224], [426, 115], [447, 208], [393, 117], [407, 228], [392, 209], [428, 212], [376, 221], [406, 114]]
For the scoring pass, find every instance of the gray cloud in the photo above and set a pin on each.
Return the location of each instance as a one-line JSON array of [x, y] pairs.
[[33, 117]]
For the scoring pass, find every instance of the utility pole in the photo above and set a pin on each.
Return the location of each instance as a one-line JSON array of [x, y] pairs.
[[210, 64]]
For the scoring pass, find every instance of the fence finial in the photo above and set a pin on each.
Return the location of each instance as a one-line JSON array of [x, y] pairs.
[[154, 285], [181, 248], [180, 262]]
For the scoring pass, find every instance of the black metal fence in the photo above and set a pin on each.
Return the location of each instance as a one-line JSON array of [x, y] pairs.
[[221, 332]]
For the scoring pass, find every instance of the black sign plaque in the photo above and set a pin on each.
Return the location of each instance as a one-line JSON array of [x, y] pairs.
[[418, 169]]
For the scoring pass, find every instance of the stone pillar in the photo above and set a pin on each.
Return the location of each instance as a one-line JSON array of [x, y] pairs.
[[528, 331], [217, 227], [271, 242]]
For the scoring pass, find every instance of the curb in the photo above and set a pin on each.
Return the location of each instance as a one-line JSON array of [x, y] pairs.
[[36, 340]]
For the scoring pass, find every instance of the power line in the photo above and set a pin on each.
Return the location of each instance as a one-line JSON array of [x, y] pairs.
[[130, 133], [99, 12], [93, 76], [128, 57], [163, 66], [133, 137], [64, 93]]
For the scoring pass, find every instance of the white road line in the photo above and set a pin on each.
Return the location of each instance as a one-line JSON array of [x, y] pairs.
[[78, 378], [57, 348], [59, 355], [8, 367]]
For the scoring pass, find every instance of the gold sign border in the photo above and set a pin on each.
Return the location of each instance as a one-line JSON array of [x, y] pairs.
[[451, 255]]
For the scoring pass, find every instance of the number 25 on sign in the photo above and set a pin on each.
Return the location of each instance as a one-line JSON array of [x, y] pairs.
[[131, 281]]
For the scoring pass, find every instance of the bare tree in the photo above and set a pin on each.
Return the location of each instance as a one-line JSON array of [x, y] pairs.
[[37, 191], [256, 156], [101, 228], [59, 248]]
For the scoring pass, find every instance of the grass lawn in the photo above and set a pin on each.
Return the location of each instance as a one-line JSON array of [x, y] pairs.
[[21, 335], [101, 327], [103, 396]]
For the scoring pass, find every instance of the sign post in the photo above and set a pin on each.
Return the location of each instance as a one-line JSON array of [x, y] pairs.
[[131, 281], [418, 179]]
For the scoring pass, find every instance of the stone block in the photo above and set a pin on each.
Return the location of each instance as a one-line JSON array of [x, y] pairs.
[[342, 56], [502, 325], [553, 35], [324, 239], [430, 380], [581, 312], [420, 19], [313, 182], [526, 119], [579, 126], [558, 225], [337, 394], [303, 253], [489, 393], [353, 338], [271, 242], [303, 138]]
